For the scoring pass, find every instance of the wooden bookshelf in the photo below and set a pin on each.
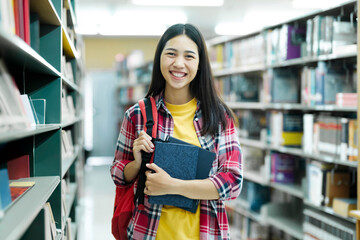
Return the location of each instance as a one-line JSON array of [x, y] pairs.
[[39, 74]]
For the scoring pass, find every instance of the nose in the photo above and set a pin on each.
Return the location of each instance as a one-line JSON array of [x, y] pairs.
[[179, 62]]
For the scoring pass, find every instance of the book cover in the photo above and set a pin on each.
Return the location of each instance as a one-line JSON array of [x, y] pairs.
[[5, 196], [337, 185], [343, 206], [316, 181], [19, 167], [179, 161], [282, 168], [18, 188]]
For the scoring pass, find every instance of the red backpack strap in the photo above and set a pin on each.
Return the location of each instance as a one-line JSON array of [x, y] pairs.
[[149, 113], [150, 116]]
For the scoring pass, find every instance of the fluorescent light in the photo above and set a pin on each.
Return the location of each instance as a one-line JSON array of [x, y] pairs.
[[128, 22], [234, 29], [150, 17], [132, 30], [318, 4], [193, 3]]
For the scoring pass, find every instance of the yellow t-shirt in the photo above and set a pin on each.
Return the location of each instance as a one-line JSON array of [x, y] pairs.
[[176, 223]]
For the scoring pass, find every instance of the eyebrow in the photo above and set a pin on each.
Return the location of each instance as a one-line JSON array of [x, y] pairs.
[[175, 50]]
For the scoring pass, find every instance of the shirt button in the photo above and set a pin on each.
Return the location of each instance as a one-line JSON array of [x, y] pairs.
[[196, 119]]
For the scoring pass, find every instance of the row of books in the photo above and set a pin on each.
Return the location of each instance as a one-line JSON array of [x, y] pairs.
[[326, 182], [239, 88], [284, 43], [12, 111], [13, 169], [15, 18], [242, 227], [328, 84], [327, 34], [319, 225], [67, 145], [67, 70], [331, 136], [238, 53], [68, 111], [319, 35], [129, 95]]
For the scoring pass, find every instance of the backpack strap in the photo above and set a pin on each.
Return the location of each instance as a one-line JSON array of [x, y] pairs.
[[149, 114]]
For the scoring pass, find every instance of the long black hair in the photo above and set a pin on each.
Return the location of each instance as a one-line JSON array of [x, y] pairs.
[[202, 87]]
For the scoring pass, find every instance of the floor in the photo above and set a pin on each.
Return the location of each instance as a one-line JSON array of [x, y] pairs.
[[96, 203]]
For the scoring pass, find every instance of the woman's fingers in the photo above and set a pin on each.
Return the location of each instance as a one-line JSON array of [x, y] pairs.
[[143, 142]]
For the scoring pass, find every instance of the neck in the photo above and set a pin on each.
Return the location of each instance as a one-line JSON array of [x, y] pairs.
[[178, 98]]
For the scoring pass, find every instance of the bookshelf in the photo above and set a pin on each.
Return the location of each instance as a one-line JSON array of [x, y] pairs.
[[48, 67], [262, 59]]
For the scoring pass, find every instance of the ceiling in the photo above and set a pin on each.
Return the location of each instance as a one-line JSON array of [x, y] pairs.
[[249, 15]]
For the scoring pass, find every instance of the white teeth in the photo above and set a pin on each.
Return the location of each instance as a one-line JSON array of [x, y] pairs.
[[178, 74]]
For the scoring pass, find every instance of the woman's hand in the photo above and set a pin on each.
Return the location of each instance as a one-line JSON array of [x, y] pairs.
[[158, 182], [143, 142]]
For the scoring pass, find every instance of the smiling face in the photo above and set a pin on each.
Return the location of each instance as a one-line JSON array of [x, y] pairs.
[[179, 63]]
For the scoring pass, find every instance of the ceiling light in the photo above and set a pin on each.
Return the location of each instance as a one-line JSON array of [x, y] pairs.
[[319, 4], [234, 29], [193, 3]]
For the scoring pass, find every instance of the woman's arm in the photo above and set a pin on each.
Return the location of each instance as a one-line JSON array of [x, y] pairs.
[[160, 183]]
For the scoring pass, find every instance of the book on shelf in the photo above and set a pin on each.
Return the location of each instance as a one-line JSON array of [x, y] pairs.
[[256, 195], [337, 186], [5, 194], [284, 128], [353, 140], [19, 188], [285, 86], [329, 135], [251, 123], [30, 113], [290, 39], [12, 111], [283, 167], [19, 167], [346, 99], [343, 206], [330, 80], [49, 226], [320, 225], [67, 145], [316, 181], [308, 141]]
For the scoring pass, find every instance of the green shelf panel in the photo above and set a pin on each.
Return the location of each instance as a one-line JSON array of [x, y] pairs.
[[42, 88], [56, 199], [50, 45], [48, 154], [23, 212], [17, 53]]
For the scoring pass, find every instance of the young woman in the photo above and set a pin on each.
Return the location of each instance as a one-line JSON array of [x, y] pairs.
[[188, 109]]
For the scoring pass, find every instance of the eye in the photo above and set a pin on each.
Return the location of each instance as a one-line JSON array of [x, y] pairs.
[[190, 56], [170, 53]]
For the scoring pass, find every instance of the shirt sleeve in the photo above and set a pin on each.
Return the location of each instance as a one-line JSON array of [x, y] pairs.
[[124, 152], [229, 177]]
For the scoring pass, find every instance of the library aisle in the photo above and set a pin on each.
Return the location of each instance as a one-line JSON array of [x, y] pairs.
[[96, 203]]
